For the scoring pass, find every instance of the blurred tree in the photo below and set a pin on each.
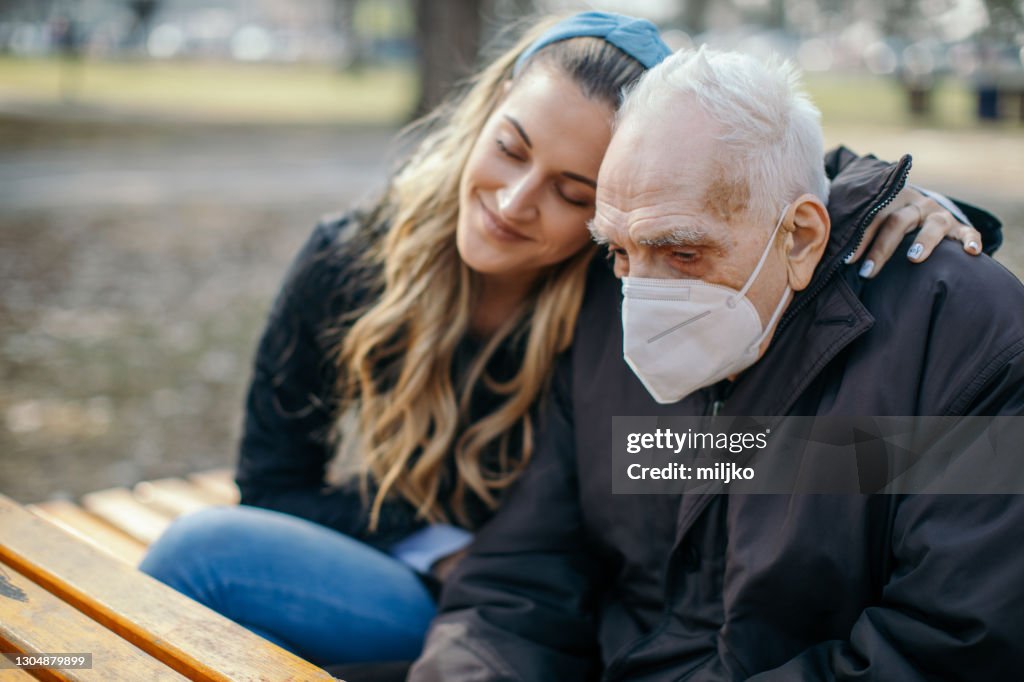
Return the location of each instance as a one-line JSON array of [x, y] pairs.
[[695, 16], [20, 10], [776, 14], [1006, 18], [901, 17], [513, 9], [68, 38], [142, 12], [344, 18], [448, 36], [9, 9]]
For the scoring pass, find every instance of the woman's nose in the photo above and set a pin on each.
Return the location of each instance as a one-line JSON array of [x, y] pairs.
[[517, 201]]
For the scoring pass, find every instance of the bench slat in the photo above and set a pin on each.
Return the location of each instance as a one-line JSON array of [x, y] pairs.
[[219, 482], [16, 675], [119, 508], [82, 524], [34, 621], [184, 634], [174, 496]]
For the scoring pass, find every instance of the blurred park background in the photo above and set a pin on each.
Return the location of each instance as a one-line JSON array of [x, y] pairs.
[[162, 160]]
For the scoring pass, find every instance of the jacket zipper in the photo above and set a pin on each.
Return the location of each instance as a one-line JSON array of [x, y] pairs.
[[718, 402], [861, 229], [719, 394], [715, 404]]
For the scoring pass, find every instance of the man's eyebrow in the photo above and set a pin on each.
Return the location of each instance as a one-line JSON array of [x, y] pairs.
[[519, 129], [597, 236], [681, 236], [580, 178]]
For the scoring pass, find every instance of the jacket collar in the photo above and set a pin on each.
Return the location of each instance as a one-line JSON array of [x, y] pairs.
[[863, 189], [826, 316], [822, 320]]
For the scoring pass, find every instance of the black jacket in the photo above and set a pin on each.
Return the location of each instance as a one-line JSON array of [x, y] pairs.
[[571, 582], [289, 433]]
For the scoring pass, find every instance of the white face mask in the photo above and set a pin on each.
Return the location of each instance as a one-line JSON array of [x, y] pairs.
[[680, 335]]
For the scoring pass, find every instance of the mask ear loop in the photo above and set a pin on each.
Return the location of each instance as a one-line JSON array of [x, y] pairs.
[[785, 295], [771, 323], [760, 264]]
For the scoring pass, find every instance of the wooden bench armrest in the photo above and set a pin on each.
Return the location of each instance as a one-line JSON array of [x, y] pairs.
[[170, 627], [33, 621]]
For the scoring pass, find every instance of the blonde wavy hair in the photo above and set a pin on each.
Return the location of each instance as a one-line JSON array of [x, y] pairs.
[[396, 360]]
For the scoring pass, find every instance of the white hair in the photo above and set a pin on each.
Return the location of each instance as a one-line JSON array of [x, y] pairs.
[[771, 131]]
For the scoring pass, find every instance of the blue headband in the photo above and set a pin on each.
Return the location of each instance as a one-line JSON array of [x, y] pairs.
[[638, 38]]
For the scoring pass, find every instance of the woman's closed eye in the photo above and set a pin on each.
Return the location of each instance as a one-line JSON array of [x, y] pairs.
[[582, 202], [507, 150], [567, 195]]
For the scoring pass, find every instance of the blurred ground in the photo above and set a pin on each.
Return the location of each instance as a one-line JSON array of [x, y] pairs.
[[982, 166], [138, 257], [137, 266], [208, 92]]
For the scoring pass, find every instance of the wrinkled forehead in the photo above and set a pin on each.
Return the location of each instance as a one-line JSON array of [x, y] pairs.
[[670, 157]]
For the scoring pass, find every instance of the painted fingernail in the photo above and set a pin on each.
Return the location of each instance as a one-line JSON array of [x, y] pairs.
[[867, 268], [848, 259], [915, 251], [973, 246]]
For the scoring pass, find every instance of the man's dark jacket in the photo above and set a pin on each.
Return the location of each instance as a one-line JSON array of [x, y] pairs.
[[570, 582]]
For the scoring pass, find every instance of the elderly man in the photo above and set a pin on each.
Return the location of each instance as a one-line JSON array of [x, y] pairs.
[[737, 300]]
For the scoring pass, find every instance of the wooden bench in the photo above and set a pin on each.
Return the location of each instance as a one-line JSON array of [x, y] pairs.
[[68, 584], [122, 522]]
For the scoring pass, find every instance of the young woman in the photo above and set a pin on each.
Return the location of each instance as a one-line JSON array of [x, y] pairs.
[[424, 331]]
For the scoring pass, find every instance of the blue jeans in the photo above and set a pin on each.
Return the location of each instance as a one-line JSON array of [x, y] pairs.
[[320, 594]]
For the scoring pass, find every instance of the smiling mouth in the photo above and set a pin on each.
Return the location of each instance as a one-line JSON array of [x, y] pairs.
[[500, 229]]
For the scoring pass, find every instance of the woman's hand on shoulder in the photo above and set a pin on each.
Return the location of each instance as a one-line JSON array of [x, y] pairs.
[[910, 210]]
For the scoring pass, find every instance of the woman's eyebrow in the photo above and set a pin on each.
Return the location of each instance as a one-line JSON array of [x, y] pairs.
[[526, 138], [519, 129]]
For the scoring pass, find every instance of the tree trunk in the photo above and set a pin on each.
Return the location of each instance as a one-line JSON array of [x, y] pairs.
[[695, 14], [448, 39], [344, 20]]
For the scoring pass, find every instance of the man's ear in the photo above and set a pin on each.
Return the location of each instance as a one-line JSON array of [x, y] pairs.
[[807, 228]]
